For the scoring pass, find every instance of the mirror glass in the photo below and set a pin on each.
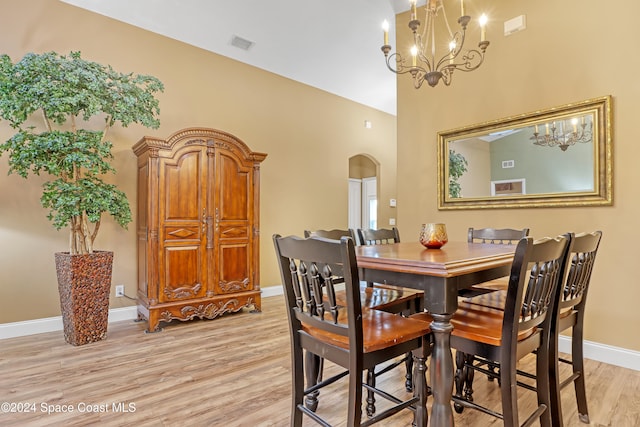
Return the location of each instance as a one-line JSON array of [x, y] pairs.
[[560, 156]]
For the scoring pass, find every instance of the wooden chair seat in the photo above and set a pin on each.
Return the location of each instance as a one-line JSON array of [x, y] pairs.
[[379, 330], [477, 323], [496, 301]]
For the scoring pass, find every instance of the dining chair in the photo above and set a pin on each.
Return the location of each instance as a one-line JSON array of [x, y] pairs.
[[350, 336], [505, 336], [502, 236], [570, 314], [380, 236], [385, 236], [392, 299]]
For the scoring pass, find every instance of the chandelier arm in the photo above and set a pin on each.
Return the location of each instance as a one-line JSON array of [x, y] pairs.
[[428, 65], [471, 60], [418, 78], [400, 67], [458, 39], [446, 75]]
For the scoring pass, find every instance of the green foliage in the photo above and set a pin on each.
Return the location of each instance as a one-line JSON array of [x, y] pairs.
[[457, 167], [68, 91]]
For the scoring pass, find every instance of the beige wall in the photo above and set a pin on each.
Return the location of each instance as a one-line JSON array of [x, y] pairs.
[[298, 126], [571, 51]]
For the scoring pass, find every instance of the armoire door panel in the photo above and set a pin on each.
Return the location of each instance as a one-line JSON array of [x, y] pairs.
[[231, 231], [183, 274], [182, 191], [234, 182], [182, 186], [233, 269], [187, 234]]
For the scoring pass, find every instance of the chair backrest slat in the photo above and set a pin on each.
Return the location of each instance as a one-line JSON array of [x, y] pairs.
[[380, 236], [496, 235], [335, 234], [310, 268], [543, 278], [583, 256], [537, 271]]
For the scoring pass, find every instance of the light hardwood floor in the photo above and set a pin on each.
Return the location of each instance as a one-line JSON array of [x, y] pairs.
[[231, 371]]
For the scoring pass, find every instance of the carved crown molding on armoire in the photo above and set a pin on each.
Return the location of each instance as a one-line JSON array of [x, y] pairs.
[[198, 226]]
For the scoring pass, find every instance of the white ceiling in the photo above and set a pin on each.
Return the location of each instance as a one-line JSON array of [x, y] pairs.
[[333, 45]]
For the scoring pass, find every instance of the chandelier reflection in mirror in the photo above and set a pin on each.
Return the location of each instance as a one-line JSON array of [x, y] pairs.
[[564, 133], [425, 64]]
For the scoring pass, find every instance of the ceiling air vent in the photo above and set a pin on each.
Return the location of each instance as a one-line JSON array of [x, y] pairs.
[[241, 43]]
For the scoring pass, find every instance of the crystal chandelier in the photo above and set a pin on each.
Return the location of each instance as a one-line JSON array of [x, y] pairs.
[[564, 134], [425, 64]]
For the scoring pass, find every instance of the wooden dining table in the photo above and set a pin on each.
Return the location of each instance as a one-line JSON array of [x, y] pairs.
[[440, 273]]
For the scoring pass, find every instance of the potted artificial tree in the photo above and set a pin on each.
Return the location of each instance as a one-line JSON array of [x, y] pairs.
[[457, 167], [62, 108]]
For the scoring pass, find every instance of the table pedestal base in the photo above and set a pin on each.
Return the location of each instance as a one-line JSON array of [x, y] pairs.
[[441, 371]]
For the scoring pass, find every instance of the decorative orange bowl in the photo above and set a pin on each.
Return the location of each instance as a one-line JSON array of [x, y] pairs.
[[433, 235]]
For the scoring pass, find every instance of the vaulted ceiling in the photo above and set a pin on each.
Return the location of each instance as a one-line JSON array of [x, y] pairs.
[[333, 45]]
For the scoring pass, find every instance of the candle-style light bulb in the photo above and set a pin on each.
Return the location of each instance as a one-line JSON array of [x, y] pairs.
[[461, 7], [483, 27], [414, 55], [385, 28]]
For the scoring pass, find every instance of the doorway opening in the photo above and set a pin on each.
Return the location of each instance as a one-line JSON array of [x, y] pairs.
[[363, 192]]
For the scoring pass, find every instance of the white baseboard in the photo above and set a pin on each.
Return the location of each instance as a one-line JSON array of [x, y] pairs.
[[52, 324], [604, 353], [272, 291]]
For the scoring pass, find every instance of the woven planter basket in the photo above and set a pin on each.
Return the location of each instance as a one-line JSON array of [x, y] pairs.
[[84, 283]]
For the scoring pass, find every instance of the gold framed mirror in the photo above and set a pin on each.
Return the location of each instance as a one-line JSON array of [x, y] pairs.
[[559, 156]]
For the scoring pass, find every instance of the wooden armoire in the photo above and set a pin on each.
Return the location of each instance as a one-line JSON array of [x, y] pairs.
[[198, 226]]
